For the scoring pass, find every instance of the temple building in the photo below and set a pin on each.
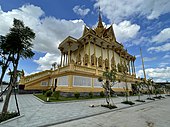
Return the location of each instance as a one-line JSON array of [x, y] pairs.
[[83, 61]]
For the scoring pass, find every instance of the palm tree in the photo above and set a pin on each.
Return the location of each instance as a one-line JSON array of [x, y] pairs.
[[19, 42]]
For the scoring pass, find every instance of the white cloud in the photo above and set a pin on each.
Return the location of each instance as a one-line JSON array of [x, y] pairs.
[[80, 10], [165, 47], [163, 64], [125, 30], [49, 30], [166, 56], [149, 58], [45, 63], [117, 10], [158, 74], [52, 31], [140, 73], [137, 56], [141, 41], [163, 36]]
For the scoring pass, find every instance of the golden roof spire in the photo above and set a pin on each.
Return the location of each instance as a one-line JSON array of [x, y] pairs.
[[100, 24]]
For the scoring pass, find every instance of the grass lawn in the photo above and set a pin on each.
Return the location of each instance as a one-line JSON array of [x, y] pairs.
[[61, 98]]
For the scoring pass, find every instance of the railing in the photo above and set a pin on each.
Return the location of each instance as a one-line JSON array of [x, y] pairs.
[[65, 68], [71, 67], [34, 76], [85, 69], [74, 67]]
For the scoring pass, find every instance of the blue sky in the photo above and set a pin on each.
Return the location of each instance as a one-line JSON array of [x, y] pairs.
[[138, 23]]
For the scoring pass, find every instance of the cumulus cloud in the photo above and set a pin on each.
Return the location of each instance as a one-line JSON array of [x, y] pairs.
[[149, 58], [162, 48], [49, 30], [46, 62], [81, 10], [138, 56], [166, 56], [52, 31], [117, 10], [125, 30], [163, 36], [163, 64], [25, 13], [158, 74]]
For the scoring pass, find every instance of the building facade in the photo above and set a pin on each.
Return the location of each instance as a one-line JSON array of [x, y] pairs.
[[83, 61]]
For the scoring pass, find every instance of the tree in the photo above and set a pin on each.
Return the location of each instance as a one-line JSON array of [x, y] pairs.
[[167, 89], [149, 85], [18, 40], [110, 78], [124, 78], [156, 89], [139, 87], [5, 59]]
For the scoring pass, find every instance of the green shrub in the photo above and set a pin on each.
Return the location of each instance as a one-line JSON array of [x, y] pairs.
[[77, 95], [91, 95], [101, 94], [44, 91], [48, 93], [56, 94]]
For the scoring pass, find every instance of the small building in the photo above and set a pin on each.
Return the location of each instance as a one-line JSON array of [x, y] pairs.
[[83, 61]]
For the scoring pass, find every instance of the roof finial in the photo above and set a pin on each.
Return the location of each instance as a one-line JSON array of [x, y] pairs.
[[100, 24]]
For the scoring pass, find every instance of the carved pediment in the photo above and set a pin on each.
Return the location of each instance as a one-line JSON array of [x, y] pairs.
[[78, 59], [93, 59], [100, 62], [113, 64], [125, 67], [106, 63], [112, 61], [109, 33], [119, 67], [86, 58]]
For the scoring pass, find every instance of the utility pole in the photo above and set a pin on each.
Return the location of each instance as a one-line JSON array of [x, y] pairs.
[[143, 64]]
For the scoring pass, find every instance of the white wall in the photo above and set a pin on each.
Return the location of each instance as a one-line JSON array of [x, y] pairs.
[[62, 81], [82, 81]]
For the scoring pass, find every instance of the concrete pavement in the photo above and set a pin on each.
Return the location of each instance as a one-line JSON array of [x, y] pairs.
[[155, 114], [37, 113]]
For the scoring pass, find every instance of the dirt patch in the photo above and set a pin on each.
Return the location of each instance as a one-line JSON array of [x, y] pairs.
[[150, 124]]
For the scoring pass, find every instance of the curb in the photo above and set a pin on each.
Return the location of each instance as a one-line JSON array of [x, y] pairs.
[[9, 120], [60, 102]]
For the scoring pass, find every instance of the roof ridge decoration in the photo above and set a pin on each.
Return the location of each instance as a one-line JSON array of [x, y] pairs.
[[101, 31], [100, 24]]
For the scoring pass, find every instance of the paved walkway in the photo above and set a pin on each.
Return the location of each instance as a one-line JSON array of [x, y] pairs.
[[37, 113], [155, 114]]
